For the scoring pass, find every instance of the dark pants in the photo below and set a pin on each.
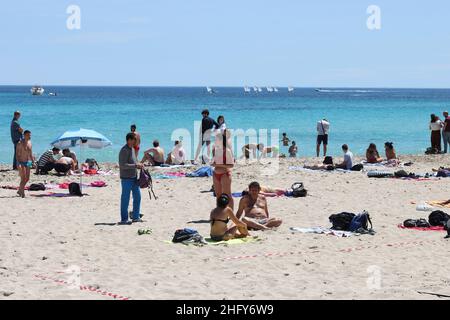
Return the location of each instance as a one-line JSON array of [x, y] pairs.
[[14, 158], [61, 167], [436, 139], [46, 168]]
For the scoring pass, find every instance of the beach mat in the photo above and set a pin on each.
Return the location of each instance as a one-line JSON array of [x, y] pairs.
[[327, 231], [55, 195], [239, 241], [438, 228]]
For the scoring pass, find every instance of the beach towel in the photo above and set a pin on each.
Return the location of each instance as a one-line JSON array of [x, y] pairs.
[[166, 167], [209, 241], [201, 172], [380, 174], [296, 168], [327, 231], [439, 228], [55, 195]]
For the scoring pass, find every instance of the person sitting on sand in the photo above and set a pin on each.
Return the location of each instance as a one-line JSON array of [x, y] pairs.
[[347, 164], [220, 216], [253, 210], [372, 155], [47, 161], [65, 165], [251, 147], [327, 164], [265, 151], [293, 149], [391, 155], [70, 154], [25, 159], [177, 156], [223, 163], [154, 155]]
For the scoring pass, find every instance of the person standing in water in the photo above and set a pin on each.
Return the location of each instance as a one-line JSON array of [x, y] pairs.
[[24, 155], [138, 140], [323, 127], [16, 135]]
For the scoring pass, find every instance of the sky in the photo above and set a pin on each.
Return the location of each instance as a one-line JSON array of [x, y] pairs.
[[320, 43]]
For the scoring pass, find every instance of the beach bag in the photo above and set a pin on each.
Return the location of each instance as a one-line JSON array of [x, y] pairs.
[[146, 182], [361, 220], [328, 160], [75, 190], [341, 221], [413, 223], [183, 235], [298, 190], [37, 187], [438, 218], [357, 167]]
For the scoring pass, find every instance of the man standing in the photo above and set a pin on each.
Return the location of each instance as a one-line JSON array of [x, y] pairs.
[[207, 125], [16, 135], [446, 131], [323, 127], [129, 179], [138, 140]]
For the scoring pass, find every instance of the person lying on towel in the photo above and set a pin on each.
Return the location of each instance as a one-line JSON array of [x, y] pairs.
[[253, 210], [220, 217]]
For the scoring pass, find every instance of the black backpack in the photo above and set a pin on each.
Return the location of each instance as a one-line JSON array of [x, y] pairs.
[[37, 187], [342, 221], [412, 223], [183, 235], [357, 167], [298, 190], [438, 218], [328, 160], [75, 190]]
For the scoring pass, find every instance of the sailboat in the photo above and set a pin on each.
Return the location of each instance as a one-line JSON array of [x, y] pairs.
[[247, 89], [37, 91], [260, 90], [255, 89], [275, 89], [269, 89], [210, 90], [291, 89]]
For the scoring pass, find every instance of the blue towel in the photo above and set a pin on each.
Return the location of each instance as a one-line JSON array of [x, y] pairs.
[[201, 172]]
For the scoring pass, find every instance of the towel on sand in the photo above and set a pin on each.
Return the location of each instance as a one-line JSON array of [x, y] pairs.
[[327, 231], [55, 195], [201, 172], [229, 242], [438, 228]]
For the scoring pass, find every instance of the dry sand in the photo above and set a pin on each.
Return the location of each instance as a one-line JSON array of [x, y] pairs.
[[42, 237]]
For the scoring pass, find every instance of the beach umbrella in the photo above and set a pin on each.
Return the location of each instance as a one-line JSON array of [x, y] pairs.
[[83, 138]]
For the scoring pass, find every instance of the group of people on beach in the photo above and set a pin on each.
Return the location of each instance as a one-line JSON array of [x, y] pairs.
[[440, 131]]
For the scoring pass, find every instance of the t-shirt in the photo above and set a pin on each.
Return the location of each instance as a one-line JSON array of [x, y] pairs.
[[348, 159], [45, 158], [66, 160], [436, 126], [447, 121], [16, 136], [127, 163], [323, 127]]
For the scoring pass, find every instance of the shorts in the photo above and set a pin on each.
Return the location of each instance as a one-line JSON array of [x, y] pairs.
[[322, 138], [62, 167]]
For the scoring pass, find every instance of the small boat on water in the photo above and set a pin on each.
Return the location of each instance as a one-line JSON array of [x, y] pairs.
[[291, 89], [247, 89], [37, 91], [52, 94], [210, 90]]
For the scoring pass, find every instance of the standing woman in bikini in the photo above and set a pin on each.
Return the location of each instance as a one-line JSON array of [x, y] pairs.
[[24, 155], [223, 163]]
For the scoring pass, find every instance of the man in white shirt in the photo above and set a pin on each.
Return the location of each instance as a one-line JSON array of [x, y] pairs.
[[348, 159], [323, 127]]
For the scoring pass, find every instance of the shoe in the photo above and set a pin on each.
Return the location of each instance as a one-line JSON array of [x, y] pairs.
[[124, 223], [137, 220], [130, 214]]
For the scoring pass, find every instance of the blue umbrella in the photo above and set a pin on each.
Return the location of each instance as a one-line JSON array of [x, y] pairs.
[[81, 137]]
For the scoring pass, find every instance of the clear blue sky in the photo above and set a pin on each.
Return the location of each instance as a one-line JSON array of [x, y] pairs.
[[320, 43]]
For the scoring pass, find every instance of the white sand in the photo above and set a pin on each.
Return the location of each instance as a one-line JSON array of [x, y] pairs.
[[44, 236]]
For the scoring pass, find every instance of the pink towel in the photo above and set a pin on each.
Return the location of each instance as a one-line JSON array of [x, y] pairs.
[[440, 228]]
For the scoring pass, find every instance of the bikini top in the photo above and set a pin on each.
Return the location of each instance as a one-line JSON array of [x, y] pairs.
[[220, 220]]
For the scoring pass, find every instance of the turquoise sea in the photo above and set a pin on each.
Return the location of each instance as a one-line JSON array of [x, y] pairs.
[[358, 116]]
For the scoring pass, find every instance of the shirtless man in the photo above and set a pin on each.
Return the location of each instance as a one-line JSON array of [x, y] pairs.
[[24, 156], [138, 139], [65, 165], [253, 210], [247, 149], [154, 155]]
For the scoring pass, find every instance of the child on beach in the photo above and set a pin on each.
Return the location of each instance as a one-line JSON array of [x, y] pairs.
[[220, 216]]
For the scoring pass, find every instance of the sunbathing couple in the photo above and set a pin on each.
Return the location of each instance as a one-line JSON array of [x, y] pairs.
[[372, 155], [156, 157], [252, 214]]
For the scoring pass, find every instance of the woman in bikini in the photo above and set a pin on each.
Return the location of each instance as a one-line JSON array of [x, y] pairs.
[[372, 154], [220, 217], [223, 162], [24, 155]]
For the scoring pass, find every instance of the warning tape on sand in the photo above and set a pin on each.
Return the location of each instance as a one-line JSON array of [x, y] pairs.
[[84, 288], [283, 254]]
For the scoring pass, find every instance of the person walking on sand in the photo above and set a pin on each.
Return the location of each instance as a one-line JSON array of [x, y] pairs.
[[323, 127], [435, 127], [446, 131], [138, 140], [16, 135], [24, 155], [128, 165]]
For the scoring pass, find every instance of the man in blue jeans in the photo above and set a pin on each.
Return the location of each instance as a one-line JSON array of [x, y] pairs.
[[129, 179]]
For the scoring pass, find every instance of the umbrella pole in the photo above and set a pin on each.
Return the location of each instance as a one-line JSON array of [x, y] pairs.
[[81, 169]]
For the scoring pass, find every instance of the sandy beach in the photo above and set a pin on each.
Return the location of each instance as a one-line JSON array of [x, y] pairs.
[[44, 238]]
